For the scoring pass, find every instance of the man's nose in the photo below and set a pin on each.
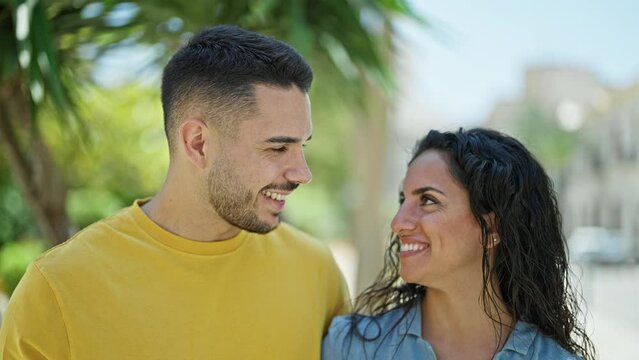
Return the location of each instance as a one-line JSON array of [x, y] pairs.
[[299, 173]]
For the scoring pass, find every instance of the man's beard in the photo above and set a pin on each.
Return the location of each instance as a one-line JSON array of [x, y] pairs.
[[235, 203], [232, 201]]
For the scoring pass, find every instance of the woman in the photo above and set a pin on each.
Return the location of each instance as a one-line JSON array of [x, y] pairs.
[[477, 267]]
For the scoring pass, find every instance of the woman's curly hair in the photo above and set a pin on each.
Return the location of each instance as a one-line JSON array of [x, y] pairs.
[[530, 263]]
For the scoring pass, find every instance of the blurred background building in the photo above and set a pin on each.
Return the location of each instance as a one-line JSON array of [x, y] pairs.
[[602, 177], [562, 80]]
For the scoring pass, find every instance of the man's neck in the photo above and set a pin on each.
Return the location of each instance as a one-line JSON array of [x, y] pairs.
[[184, 214]]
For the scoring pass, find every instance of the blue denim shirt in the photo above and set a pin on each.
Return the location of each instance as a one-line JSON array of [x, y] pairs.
[[404, 342]]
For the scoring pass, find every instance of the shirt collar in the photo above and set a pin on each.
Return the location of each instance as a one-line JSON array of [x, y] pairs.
[[520, 340], [412, 323], [522, 337]]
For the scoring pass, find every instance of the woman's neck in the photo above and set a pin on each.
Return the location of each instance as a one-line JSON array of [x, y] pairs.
[[457, 326]]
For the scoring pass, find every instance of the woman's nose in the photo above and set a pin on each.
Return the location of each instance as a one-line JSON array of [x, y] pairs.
[[403, 221]]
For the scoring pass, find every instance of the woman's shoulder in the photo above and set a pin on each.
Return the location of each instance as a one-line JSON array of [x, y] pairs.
[[368, 326], [352, 334], [529, 342], [350, 329], [339, 339]]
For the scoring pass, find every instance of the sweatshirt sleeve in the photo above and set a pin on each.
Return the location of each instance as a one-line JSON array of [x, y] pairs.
[[33, 325], [339, 298]]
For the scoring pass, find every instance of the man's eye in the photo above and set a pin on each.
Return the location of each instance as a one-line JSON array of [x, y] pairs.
[[401, 199], [280, 149]]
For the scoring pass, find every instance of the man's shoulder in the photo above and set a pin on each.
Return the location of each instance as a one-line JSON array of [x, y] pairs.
[[80, 248]]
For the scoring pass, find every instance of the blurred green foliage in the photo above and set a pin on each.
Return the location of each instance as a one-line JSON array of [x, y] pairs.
[[122, 156], [14, 259], [15, 217]]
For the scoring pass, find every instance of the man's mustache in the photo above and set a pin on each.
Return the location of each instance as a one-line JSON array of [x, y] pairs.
[[284, 187]]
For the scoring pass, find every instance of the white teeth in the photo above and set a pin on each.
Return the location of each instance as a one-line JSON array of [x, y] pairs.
[[412, 247], [274, 196]]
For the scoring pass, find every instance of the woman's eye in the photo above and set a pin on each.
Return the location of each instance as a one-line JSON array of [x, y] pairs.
[[427, 200]]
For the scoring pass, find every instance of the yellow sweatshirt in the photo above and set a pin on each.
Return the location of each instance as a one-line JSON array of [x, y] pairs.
[[124, 288]]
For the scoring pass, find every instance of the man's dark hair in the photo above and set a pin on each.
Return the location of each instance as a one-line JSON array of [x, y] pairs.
[[215, 74]]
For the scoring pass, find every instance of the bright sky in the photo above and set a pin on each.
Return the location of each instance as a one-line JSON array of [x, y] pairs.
[[483, 47]]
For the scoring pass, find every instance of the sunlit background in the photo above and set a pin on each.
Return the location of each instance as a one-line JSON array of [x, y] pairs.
[[82, 129]]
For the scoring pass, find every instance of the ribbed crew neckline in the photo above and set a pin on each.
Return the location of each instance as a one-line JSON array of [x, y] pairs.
[[182, 244]]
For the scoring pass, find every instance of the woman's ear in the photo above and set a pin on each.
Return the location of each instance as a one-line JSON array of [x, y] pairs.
[[493, 240], [493, 234]]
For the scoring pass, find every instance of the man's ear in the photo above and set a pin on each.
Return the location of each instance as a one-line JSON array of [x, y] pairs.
[[196, 139], [493, 233]]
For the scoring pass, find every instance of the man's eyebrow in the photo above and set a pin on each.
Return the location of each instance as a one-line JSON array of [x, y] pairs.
[[285, 140], [424, 189]]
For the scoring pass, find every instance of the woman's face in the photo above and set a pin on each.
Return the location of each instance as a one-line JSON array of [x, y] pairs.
[[439, 236]]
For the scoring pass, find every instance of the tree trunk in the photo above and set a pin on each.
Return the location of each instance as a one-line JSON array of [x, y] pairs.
[[371, 229], [31, 163]]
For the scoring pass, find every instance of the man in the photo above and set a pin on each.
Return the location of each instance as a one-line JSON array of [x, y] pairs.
[[203, 270]]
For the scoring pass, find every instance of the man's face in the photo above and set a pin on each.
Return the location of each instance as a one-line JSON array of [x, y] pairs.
[[254, 171]]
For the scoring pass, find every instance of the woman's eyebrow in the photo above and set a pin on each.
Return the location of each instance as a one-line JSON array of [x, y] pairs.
[[424, 189]]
